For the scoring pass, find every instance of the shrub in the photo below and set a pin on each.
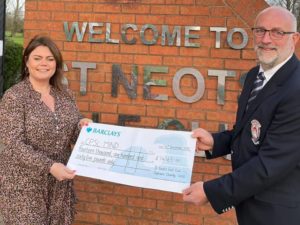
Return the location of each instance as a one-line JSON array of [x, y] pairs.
[[12, 63]]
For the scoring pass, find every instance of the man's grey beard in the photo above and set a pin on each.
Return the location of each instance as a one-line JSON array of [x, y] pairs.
[[266, 65]]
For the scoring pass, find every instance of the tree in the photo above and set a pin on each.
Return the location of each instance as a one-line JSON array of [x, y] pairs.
[[14, 16], [292, 5]]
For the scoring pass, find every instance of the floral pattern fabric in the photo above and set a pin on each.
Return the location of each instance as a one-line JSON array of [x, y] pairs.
[[34, 138]]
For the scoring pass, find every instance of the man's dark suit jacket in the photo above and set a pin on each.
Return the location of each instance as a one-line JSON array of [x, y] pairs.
[[264, 186]]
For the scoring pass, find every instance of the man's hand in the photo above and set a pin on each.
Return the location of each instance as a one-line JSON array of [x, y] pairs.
[[205, 140], [195, 194]]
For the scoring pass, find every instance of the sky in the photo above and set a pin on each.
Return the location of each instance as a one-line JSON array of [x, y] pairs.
[[11, 4]]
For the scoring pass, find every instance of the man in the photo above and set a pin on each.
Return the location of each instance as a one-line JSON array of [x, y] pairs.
[[264, 185]]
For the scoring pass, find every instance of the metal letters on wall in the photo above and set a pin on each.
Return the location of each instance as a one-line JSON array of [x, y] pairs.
[[221, 74], [200, 84], [83, 75], [149, 82], [244, 38], [167, 36], [118, 76], [75, 31]]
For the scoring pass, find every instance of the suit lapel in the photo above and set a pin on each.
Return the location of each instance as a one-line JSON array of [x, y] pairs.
[[277, 80], [243, 99]]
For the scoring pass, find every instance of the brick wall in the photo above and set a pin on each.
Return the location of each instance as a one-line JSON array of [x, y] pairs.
[[108, 203]]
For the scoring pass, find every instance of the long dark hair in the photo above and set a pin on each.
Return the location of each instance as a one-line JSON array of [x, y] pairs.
[[57, 78]]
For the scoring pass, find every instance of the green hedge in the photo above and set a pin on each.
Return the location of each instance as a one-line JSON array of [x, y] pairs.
[[12, 63]]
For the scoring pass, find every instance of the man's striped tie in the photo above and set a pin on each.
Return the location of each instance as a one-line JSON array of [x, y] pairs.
[[257, 86]]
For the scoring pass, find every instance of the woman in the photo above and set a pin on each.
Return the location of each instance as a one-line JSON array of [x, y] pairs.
[[39, 121]]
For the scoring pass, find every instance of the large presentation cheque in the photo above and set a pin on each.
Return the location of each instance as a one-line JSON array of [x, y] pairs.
[[147, 158]]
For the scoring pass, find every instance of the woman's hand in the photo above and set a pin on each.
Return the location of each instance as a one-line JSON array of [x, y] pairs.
[[61, 172], [84, 122]]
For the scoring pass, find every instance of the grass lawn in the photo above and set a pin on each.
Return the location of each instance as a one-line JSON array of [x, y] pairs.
[[18, 38]]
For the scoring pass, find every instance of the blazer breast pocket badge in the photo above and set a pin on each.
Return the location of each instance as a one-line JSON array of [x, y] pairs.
[[255, 131]]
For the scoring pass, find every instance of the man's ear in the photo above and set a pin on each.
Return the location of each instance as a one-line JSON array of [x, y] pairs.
[[296, 37]]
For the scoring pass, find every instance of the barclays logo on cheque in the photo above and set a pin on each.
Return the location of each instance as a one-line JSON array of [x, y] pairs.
[[103, 132]]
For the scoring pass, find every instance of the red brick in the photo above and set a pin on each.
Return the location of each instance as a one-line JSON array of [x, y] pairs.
[[119, 58], [102, 107], [113, 219], [188, 219], [77, 7], [219, 221], [164, 9], [127, 211], [148, 60], [208, 21], [115, 200], [141, 202], [157, 214], [87, 217], [141, 222], [105, 48], [122, 18], [101, 187], [178, 61], [171, 206], [248, 54], [191, 114], [137, 9], [30, 5], [155, 194], [225, 53], [90, 57], [109, 118], [206, 168], [74, 46], [235, 22], [150, 19], [85, 196], [35, 15], [230, 106], [83, 106], [239, 64], [164, 50], [132, 110], [225, 169], [51, 6], [90, 97], [194, 10], [136, 49], [128, 191], [210, 3], [84, 17], [162, 112], [98, 208], [64, 16], [221, 11], [179, 20], [180, 2]]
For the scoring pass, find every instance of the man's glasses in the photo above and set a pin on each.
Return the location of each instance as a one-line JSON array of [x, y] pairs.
[[274, 33]]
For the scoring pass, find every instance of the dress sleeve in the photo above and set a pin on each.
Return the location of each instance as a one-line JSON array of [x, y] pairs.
[[77, 129], [12, 135]]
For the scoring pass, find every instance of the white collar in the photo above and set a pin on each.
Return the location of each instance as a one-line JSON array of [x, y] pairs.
[[269, 73]]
